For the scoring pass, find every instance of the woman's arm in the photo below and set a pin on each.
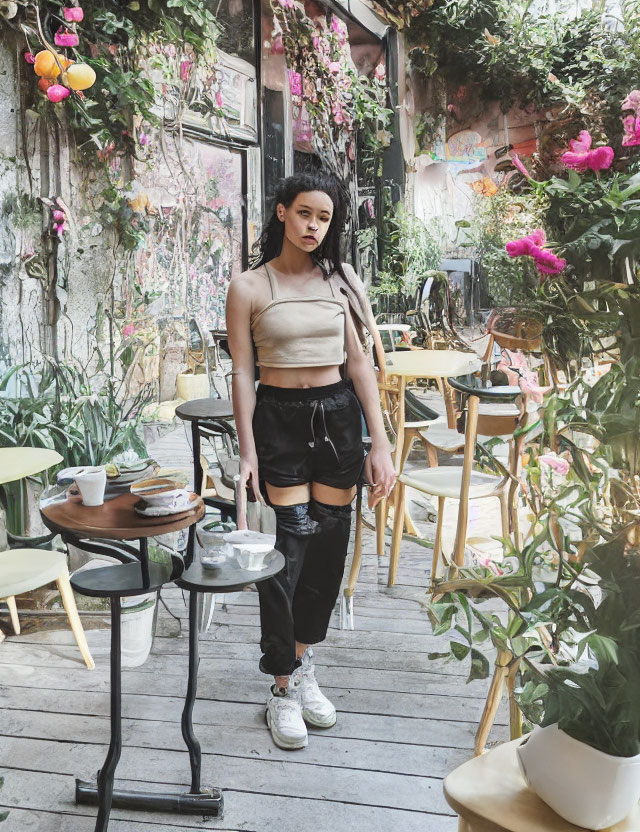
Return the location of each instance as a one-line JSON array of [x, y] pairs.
[[243, 378], [379, 464]]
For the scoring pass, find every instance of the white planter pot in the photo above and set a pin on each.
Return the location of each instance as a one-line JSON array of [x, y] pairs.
[[583, 785], [136, 628]]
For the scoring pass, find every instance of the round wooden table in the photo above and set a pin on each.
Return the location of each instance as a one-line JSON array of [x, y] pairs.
[[489, 794], [17, 463]]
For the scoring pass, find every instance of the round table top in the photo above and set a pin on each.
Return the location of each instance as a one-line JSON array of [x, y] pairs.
[[17, 463], [114, 520], [490, 792], [431, 363], [229, 576], [205, 410], [121, 580]]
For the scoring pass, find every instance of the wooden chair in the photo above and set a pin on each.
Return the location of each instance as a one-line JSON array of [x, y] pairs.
[[23, 570], [463, 483]]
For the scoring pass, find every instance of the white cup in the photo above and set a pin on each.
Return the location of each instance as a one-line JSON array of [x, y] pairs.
[[91, 483], [251, 556]]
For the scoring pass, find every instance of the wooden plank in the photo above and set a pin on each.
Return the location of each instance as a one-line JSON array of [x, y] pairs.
[[245, 737], [414, 730], [25, 820], [165, 661], [283, 778], [212, 684], [250, 812]]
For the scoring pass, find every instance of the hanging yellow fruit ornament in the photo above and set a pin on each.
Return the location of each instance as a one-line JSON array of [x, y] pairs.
[[80, 77], [45, 64]]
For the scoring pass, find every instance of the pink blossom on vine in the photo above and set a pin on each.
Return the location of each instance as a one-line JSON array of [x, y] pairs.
[[128, 330], [631, 131], [59, 216], [185, 70], [143, 139], [338, 115], [557, 463], [526, 245], [632, 101], [287, 4], [380, 72], [582, 158], [73, 14], [60, 228], [334, 66], [277, 46], [518, 163], [219, 101], [63, 37], [295, 82], [29, 57]]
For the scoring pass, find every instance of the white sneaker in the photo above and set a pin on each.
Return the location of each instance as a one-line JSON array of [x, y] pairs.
[[317, 711], [284, 718]]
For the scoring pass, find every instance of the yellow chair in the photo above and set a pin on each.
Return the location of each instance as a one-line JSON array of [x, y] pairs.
[[23, 570]]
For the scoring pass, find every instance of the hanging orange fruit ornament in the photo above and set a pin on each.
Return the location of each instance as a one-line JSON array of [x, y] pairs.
[[80, 77], [45, 64]]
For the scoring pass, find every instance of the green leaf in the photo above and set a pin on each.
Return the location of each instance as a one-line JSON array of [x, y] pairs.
[[459, 651], [480, 667]]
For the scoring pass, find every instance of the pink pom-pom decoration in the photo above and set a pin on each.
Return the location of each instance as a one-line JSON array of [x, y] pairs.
[[57, 92], [73, 14], [66, 38], [29, 58]]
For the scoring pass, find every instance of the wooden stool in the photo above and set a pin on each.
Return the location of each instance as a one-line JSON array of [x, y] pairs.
[[489, 794]]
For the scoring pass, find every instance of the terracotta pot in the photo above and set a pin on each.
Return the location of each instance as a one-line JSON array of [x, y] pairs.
[[583, 785]]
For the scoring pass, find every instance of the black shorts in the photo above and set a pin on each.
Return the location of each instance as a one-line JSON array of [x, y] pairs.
[[306, 435]]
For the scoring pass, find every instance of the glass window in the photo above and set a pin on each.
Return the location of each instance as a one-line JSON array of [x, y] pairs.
[[235, 18]]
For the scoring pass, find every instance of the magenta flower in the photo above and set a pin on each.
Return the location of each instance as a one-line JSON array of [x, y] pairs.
[[295, 82], [128, 330], [631, 131], [143, 139], [59, 216], [56, 92], [185, 70], [547, 262], [287, 4], [556, 463], [29, 57], [632, 101], [73, 14], [528, 245], [582, 158], [60, 228], [66, 38], [219, 99], [518, 163]]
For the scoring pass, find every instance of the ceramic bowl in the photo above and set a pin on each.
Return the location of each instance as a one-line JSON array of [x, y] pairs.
[[160, 491]]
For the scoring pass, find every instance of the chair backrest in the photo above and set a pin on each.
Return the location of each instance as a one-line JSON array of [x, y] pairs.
[[492, 425]]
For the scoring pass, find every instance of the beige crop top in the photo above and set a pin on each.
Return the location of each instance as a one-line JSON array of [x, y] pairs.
[[300, 331]]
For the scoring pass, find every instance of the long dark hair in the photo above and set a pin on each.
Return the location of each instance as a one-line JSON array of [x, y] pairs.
[[328, 255]]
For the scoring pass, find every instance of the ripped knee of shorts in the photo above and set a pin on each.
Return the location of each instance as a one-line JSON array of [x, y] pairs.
[[295, 519]]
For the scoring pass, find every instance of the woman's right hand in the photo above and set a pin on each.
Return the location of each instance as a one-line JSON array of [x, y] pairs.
[[249, 476]]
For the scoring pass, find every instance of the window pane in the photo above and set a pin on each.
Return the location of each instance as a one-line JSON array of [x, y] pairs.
[[235, 18]]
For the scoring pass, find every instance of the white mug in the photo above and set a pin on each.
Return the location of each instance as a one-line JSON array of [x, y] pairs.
[[91, 483]]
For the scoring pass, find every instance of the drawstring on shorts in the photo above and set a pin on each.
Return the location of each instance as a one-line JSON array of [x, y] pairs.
[[327, 438]]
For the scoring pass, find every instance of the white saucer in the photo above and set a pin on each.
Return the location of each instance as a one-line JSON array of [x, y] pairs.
[[163, 511]]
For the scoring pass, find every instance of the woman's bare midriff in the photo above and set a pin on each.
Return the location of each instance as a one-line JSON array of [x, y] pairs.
[[299, 377]]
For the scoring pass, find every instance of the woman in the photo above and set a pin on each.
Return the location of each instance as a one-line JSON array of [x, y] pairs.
[[300, 435]]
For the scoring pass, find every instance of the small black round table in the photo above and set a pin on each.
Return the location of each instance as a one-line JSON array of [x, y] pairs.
[[104, 530], [204, 412]]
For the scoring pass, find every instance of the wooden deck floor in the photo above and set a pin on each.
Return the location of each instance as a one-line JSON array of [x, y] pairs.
[[403, 721]]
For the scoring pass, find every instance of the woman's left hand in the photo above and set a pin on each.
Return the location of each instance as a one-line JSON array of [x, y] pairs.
[[380, 472]]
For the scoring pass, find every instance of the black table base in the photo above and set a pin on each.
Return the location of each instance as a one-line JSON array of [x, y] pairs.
[[208, 803]]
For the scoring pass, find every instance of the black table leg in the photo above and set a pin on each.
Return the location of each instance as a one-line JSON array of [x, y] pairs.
[[195, 756], [197, 467], [106, 774], [144, 561]]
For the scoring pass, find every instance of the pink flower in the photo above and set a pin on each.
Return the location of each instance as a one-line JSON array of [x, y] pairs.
[[60, 228], [547, 262], [59, 216], [219, 101], [334, 66], [380, 72], [143, 139], [29, 57], [295, 82], [277, 46], [528, 245], [66, 38], [338, 115], [516, 161], [73, 14], [632, 131], [582, 158], [128, 330], [556, 463], [632, 101], [287, 4], [185, 70], [56, 92]]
